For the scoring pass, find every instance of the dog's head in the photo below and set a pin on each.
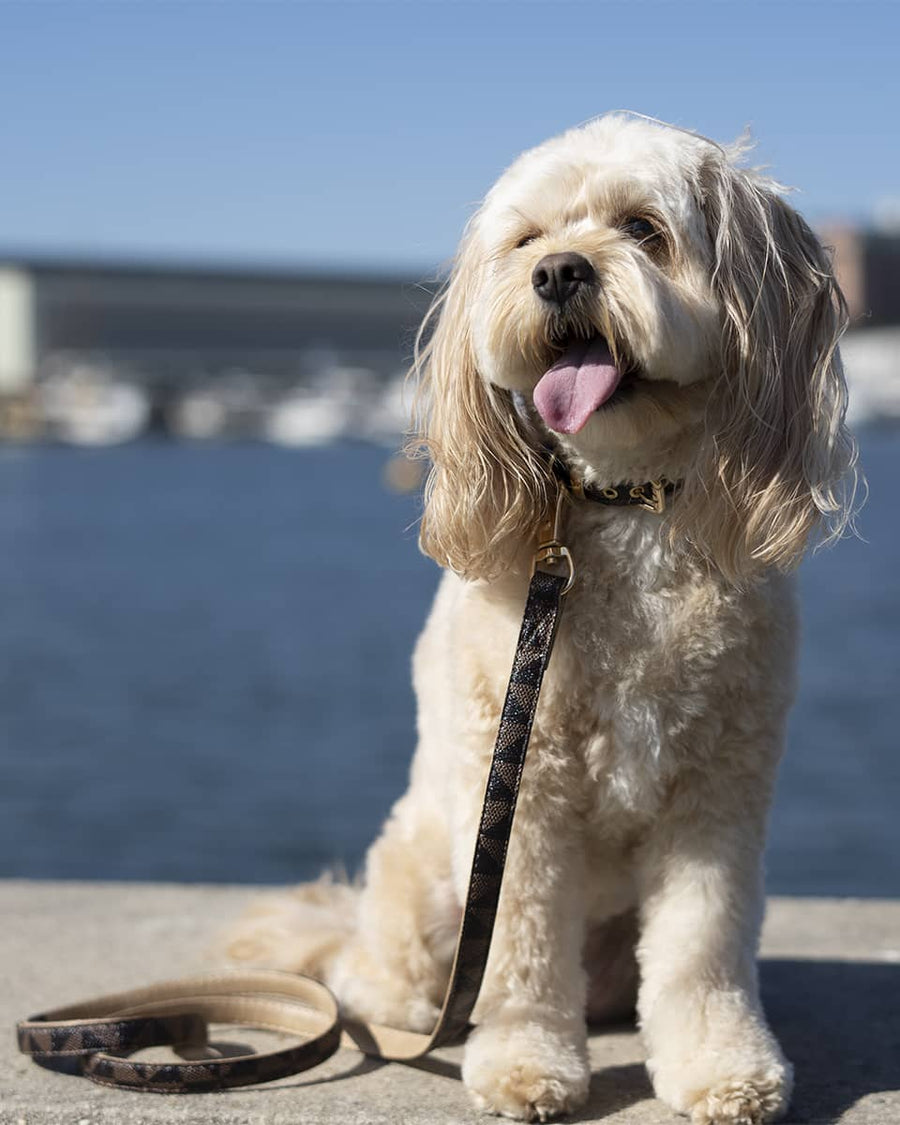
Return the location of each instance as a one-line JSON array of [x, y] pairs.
[[659, 311]]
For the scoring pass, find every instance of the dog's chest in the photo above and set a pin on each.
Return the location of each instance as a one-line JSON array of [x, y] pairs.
[[633, 670]]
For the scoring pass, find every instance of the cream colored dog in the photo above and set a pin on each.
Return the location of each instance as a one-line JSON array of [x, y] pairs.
[[632, 298]]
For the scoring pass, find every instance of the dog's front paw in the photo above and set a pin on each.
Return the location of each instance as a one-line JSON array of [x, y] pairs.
[[711, 1097], [528, 1071], [713, 1057], [761, 1099]]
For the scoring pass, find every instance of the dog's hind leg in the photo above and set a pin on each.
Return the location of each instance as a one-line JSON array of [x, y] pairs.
[[384, 946], [394, 970]]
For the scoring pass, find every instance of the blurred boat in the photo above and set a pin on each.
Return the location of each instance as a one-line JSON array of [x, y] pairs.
[[872, 362], [231, 406], [336, 403], [86, 405], [305, 418], [198, 415]]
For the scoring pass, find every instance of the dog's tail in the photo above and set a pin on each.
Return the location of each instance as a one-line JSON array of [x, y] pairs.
[[300, 930]]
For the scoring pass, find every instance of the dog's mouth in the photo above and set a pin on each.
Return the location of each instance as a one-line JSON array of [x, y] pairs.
[[583, 379]]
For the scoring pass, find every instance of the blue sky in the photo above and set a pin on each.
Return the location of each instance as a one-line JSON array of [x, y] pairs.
[[362, 134]]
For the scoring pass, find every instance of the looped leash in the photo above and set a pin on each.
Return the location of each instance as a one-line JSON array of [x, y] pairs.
[[95, 1037]]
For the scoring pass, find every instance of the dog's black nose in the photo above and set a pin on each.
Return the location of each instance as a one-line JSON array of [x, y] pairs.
[[558, 277]]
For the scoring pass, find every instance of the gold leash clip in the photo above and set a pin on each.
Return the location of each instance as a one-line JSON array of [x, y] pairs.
[[550, 548]]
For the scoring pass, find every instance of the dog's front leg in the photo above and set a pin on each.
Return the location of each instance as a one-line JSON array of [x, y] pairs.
[[527, 1058], [710, 1051]]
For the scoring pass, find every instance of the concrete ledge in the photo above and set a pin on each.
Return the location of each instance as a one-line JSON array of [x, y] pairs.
[[831, 983]]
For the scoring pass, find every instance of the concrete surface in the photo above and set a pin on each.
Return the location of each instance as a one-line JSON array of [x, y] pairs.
[[831, 984]]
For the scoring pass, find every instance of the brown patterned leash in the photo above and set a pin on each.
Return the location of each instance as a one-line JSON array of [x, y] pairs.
[[95, 1037]]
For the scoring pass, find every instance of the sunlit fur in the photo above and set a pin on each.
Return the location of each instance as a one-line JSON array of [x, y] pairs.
[[487, 484], [634, 872], [734, 322]]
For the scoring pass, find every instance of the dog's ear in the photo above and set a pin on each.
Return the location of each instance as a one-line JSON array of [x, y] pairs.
[[778, 459], [487, 489]]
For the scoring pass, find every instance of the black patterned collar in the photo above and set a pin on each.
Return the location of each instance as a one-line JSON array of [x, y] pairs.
[[651, 495]]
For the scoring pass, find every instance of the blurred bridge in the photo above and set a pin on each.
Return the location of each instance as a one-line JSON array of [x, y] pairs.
[[164, 325]]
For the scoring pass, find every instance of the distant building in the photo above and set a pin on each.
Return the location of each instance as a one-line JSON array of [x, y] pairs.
[[161, 324], [867, 263]]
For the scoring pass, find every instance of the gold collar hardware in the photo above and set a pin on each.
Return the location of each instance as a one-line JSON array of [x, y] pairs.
[[656, 500], [550, 548]]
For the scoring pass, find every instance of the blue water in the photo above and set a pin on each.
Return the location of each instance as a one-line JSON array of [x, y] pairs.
[[204, 669]]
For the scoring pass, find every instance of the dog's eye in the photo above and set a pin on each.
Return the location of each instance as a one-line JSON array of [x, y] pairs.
[[526, 238], [641, 230]]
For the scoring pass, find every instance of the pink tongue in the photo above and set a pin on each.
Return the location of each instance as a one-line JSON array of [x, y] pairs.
[[578, 383]]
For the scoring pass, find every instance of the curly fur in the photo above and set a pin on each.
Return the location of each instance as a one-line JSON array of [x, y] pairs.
[[641, 823]]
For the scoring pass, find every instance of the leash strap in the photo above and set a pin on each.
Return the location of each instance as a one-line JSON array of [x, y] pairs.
[[95, 1037], [92, 1037]]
